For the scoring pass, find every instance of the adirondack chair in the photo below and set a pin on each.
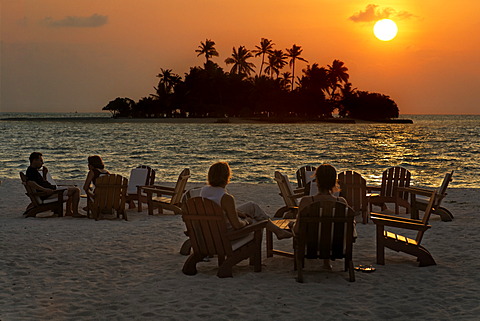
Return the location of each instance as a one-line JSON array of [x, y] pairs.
[[140, 176], [325, 232], [399, 242], [207, 230], [169, 198], [392, 179], [42, 199], [304, 182], [286, 192], [420, 204], [110, 195], [353, 188]]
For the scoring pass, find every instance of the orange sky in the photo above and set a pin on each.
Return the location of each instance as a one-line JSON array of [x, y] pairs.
[[60, 55]]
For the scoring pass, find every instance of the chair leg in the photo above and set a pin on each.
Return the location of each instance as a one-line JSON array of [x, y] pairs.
[[269, 241], [186, 247], [380, 245], [190, 266], [351, 271]]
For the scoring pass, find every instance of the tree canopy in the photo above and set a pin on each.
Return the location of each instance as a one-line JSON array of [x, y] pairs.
[[209, 91]]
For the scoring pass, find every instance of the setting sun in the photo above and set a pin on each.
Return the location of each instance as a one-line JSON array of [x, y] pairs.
[[385, 29]]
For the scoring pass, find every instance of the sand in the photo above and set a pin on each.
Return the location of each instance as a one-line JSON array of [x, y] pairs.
[[80, 269]]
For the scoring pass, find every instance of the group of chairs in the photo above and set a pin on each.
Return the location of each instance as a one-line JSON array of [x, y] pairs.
[[325, 227], [112, 192], [395, 188]]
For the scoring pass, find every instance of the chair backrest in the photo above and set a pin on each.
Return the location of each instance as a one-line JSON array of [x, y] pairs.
[[140, 176], [30, 190], [206, 227], [285, 189], [180, 186], [326, 229], [395, 177], [302, 179], [110, 193], [442, 191], [428, 211], [353, 187]]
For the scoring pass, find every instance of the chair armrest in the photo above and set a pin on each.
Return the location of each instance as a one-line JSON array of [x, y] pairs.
[[396, 218], [159, 187], [416, 190], [157, 190], [373, 188], [400, 224], [258, 226], [295, 196]]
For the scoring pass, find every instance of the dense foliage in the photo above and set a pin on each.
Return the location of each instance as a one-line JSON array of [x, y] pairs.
[[209, 91]]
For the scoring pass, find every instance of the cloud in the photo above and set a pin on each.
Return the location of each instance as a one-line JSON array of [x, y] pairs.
[[373, 12], [93, 21]]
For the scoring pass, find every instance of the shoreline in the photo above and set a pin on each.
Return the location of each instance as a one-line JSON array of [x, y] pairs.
[[212, 120]]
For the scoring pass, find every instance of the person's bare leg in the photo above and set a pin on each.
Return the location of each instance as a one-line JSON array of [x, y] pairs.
[[73, 199]]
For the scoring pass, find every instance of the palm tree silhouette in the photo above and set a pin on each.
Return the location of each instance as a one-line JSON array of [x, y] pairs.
[[239, 61], [266, 47], [276, 61], [294, 54], [207, 48], [337, 73], [167, 81], [285, 80]]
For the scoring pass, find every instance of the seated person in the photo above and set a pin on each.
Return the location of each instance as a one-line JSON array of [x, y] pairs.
[[96, 168], [33, 174], [326, 180], [219, 176]]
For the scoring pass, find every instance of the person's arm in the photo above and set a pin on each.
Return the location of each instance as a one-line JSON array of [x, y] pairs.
[[228, 205], [88, 182]]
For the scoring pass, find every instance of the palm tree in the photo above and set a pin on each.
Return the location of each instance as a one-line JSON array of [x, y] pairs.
[[239, 61], [167, 81], [294, 54], [266, 47], [207, 48], [276, 61], [286, 79], [337, 73]]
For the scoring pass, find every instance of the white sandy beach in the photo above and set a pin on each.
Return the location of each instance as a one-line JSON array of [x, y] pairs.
[[80, 269]]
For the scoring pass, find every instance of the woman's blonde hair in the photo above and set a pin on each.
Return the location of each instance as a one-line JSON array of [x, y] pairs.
[[326, 176], [219, 174], [96, 161]]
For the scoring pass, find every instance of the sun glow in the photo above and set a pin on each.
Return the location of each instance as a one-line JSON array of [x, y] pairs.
[[385, 29]]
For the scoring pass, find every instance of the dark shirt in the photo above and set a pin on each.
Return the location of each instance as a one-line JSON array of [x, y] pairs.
[[34, 175]]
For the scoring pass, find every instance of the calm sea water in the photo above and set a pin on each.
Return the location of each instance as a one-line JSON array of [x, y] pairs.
[[429, 148]]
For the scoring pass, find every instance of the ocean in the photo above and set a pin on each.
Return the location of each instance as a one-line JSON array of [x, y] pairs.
[[430, 147]]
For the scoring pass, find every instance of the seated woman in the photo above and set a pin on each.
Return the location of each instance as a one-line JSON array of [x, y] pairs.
[[326, 179], [96, 168], [219, 176]]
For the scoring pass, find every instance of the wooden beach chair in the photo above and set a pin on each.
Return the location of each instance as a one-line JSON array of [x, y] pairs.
[[353, 187], [303, 181], [392, 179], [42, 199], [325, 232], [286, 192], [168, 198], [110, 196], [399, 242], [139, 177], [420, 203], [207, 230]]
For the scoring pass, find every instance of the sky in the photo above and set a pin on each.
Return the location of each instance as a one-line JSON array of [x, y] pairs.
[[77, 55]]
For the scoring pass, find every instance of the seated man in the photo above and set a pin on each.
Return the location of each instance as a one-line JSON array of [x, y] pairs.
[[33, 174]]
